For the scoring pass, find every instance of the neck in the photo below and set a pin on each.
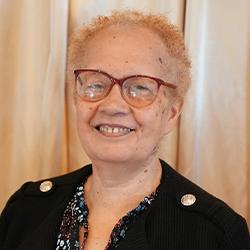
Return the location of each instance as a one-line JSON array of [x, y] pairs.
[[116, 182]]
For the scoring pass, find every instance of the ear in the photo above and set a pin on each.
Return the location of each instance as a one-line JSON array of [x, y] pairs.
[[173, 113]]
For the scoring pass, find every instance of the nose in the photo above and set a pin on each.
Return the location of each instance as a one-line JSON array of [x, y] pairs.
[[114, 104]]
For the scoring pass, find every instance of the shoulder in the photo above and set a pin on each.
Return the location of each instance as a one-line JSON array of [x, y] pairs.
[[46, 187], [195, 206], [31, 205], [42, 194]]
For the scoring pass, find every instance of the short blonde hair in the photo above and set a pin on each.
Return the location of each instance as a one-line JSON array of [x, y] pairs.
[[171, 36]]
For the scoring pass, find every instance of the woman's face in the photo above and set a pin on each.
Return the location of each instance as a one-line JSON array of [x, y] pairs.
[[111, 130]]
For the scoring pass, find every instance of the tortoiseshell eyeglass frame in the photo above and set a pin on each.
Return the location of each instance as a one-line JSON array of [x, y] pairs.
[[122, 80]]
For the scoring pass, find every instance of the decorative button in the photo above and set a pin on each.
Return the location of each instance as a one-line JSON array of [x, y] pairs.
[[45, 186], [188, 199]]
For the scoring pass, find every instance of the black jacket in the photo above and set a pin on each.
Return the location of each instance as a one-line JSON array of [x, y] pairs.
[[31, 218]]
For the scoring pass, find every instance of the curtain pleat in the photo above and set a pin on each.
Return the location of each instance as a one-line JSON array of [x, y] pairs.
[[32, 65], [213, 147]]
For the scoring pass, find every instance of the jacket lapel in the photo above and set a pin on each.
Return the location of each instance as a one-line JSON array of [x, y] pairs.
[[136, 238], [45, 236]]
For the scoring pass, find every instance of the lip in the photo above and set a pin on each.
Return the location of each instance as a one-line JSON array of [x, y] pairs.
[[114, 125]]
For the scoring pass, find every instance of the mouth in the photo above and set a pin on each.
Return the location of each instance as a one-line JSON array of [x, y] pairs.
[[113, 130]]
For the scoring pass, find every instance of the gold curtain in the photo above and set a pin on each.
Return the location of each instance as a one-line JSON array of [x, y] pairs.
[[32, 65], [214, 131], [212, 141]]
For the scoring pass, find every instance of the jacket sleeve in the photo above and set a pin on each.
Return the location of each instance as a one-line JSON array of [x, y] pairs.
[[237, 237], [5, 216], [3, 226]]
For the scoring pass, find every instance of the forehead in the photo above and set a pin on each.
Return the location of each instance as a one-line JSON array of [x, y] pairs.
[[129, 35], [129, 47]]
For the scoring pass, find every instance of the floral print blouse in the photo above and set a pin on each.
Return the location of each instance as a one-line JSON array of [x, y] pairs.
[[76, 216]]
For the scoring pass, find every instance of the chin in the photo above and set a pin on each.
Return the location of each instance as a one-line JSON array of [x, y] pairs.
[[117, 157], [116, 151], [111, 156]]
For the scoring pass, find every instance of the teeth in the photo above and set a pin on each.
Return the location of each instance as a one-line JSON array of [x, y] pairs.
[[114, 130]]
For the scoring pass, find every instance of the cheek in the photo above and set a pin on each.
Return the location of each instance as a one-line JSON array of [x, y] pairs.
[[160, 116], [152, 118], [84, 112], [162, 109], [80, 112]]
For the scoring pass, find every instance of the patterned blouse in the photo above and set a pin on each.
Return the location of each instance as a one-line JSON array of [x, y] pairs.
[[76, 216]]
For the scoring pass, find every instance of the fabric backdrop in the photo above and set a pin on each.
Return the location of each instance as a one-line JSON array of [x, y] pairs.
[[212, 140]]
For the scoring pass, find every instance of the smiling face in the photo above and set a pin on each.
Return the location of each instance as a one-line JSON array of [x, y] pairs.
[[111, 130]]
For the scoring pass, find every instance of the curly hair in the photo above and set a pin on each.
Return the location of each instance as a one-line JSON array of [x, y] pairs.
[[171, 36]]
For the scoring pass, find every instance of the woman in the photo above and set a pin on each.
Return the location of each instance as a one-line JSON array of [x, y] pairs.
[[130, 73]]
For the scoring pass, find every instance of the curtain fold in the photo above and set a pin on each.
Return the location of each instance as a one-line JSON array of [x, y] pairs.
[[32, 65], [213, 132]]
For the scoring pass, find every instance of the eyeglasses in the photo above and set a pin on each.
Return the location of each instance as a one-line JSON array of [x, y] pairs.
[[93, 85]]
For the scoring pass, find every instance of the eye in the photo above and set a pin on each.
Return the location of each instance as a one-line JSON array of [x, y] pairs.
[[92, 86], [95, 86], [140, 89], [93, 89]]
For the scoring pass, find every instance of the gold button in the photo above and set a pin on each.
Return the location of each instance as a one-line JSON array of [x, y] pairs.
[[188, 199], [45, 186]]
